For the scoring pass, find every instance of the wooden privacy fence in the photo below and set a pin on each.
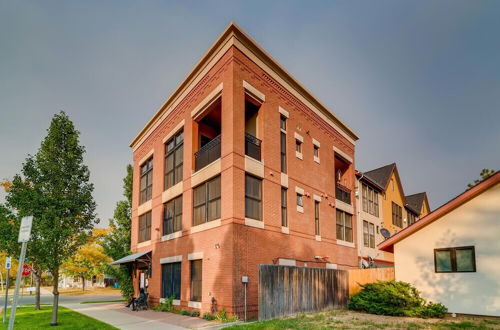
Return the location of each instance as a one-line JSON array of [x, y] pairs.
[[285, 290], [357, 277]]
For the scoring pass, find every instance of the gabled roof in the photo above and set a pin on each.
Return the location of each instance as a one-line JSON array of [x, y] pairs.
[[416, 201], [235, 36], [388, 244], [381, 175]]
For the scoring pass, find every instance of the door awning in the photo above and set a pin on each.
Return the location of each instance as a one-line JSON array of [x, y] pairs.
[[136, 257]]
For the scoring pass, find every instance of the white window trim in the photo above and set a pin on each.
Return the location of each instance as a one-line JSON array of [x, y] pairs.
[[171, 236], [206, 226], [172, 259], [254, 92], [174, 131], [285, 113], [146, 157], [254, 223], [285, 230], [195, 256], [299, 137], [343, 154], [143, 244], [286, 262], [194, 304], [346, 243]]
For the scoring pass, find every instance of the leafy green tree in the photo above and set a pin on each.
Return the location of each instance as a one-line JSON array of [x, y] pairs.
[[117, 243], [485, 174], [9, 230], [54, 187]]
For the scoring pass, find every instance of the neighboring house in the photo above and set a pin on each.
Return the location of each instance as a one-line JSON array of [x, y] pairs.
[[241, 166], [453, 254], [383, 204]]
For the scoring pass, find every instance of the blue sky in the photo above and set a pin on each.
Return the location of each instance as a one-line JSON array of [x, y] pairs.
[[419, 81]]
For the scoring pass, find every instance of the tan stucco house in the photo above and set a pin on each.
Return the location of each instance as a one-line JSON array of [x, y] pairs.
[[453, 254]]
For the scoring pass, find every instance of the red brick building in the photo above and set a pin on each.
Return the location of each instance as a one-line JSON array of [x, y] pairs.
[[241, 166]]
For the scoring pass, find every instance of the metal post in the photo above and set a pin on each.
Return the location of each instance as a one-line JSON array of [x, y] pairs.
[[18, 283], [245, 302], [6, 295]]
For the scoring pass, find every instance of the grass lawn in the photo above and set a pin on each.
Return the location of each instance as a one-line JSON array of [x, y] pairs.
[[89, 290], [102, 301], [28, 318], [341, 319]]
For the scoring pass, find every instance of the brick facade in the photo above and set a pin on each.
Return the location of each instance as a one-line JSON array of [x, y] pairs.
[[233, 248]]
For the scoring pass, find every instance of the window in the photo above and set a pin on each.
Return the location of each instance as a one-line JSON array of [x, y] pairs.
[[146, 180], [412, 218], [316, 151], [298, 146], [316, 217], [368, 234], [174, 159], [370, 200], [397, 215], [455, 260], [299, 200], [196, 280], [171, 280], [206, 201], [283, 123], [284, 219], [172, 216], [283, 151], [253, 197], [145, 227], [344, 226]]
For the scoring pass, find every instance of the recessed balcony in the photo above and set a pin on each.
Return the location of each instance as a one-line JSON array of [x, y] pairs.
[[207, 154], [343, 193], [252, 146]]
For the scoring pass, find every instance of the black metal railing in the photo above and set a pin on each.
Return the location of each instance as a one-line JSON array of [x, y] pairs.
[[207, 154], [343, 193], [252, 146]]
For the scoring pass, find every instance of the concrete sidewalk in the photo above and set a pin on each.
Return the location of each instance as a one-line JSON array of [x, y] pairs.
[[121, 317]]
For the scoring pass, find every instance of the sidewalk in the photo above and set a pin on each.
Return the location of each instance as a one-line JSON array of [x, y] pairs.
[[123, 318]]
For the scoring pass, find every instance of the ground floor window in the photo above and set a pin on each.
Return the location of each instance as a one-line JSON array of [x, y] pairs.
[[344, 226], [171, 280], [196, 280], [455, 260]]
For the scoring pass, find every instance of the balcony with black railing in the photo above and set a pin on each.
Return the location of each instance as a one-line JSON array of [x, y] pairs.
[[343, 193], [207, 154], [252, 146]]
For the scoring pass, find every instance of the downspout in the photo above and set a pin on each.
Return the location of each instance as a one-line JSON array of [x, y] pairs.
[[358, 222]]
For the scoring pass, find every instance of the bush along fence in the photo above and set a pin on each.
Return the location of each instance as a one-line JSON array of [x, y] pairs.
[[286, 290]]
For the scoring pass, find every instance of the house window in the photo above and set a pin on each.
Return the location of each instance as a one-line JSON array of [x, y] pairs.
[[316, 217], [253, 197], [299, 200], [146, 181], [455, 260], [298, 146], [344, 226], [196, 280], [171, 280], [370, 200], [174, 159], [368, 234], [283, 151], [172, 217], [284, 219], [206, 201], [283, 123], [397, 215], [412, 218], [316, 151], [145, 227]]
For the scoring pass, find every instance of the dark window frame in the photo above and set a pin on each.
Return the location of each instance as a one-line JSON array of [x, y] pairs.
[[171, 285], [370, 200], [176, 226], [284, 203], [397, 215], [146, 172], [300, 197], [257, 199], [315, 151], [298, 146], [177, 170], [341, 227], [316, 218], [196, 296], [453, 259], [144, 232], [283, 152], [207, 200]]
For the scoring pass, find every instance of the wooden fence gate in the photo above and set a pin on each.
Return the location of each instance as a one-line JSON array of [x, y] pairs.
[[285, 290]]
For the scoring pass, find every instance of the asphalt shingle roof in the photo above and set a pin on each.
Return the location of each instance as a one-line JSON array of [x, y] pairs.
[[381, 175]]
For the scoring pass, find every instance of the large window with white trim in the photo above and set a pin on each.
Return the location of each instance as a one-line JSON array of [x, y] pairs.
[[206, 201], [172, 218], [253, 197], [344, 226], [174, 156]]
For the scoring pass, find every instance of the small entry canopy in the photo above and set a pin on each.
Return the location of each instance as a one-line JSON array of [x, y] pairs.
[[144, 257]]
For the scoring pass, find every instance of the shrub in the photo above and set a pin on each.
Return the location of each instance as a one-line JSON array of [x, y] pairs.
[[394, 298], [166, 306], [195, 313], [185, 312], [208, 317], [222, 316]]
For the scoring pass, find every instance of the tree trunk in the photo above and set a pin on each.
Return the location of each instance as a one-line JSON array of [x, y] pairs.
[[83, 284], [55, 292], [38, 279]]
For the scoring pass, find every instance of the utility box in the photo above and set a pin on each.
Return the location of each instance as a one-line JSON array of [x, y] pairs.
[[244, 279]]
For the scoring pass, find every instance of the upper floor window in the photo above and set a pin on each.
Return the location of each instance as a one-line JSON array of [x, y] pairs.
[[283, 123], [368, 234], [455, 260], [172, 219], [370, 200], [284, 218], [298, 146], [344, 226], [397, 215], [145, 227], [299, 200], [174, 160], [316, 151], [253, 197], [206, 201], [316, 217], [283, 143], [412, 218], [146, 181]]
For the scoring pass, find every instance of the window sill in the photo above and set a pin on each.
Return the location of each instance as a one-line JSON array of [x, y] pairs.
[[143, 244], [318, 238], [285, 230], [300, 209], [145, 207], [344, 207], [299, 155], [284, 180], [172, 192], [255, 167], [206, 173], [316, 159], [254, 223], [345, 243], [169, 260], [175, 302], [172, 236], [194, 304], [206, 226]]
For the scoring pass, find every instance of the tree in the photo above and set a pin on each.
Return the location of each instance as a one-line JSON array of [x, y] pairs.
[[89, 260], [485, 174], [54, 188], [117, 243]]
